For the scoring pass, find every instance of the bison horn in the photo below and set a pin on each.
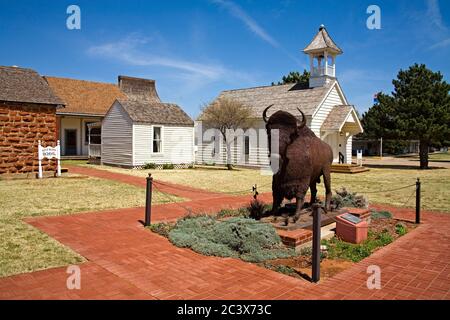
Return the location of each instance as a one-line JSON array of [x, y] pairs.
[[303, 119], [265, 113]]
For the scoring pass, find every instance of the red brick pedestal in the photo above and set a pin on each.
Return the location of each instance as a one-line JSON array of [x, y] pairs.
[[295, 238]]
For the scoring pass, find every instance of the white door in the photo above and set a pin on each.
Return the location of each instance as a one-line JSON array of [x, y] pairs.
[[333, 140]]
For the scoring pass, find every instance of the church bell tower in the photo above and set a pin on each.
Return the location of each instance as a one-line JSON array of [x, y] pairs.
[[322, 53]]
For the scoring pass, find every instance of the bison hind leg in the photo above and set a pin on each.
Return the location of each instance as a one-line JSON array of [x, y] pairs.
[[300, 196]]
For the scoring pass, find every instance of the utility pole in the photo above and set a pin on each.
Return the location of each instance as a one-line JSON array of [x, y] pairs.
[[381, 147]]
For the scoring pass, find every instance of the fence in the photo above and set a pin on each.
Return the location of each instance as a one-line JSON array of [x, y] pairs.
[[95, 151], [316, 208]]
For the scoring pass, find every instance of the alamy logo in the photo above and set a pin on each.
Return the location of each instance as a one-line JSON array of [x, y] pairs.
[[73, 21], [374, 280], [74, 280], [374, 20]]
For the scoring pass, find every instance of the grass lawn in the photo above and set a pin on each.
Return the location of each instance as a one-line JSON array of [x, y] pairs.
[[24, 248], [440, 156], [436, 156], [435, 183]]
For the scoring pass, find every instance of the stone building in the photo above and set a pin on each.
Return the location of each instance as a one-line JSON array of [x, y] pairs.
[[27, 114]]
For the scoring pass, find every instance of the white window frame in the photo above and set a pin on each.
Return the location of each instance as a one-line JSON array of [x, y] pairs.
[[161, 140]]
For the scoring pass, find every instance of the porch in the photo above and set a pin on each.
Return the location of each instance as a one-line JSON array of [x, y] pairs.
[[94, 146], [75, 135], [338, 130]]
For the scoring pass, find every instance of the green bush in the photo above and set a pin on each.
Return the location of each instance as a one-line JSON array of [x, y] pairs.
[[162, 228], [168, 166], [346, 198], [401, 229], [148, 166], [226, 213], [236, 237], [256, 209], [380, 214]]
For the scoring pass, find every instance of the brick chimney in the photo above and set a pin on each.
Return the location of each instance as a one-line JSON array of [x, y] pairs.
[[139, 89]]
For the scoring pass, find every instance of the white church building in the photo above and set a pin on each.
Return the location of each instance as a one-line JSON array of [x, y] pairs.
[[328, 113]]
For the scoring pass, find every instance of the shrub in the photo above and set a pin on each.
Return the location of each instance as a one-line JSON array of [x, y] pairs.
[[401, 229], [256, 209], [237, 237], [162, 229], [168, 166], [380, 214], [346, 198], [148, 166], [225, 213]]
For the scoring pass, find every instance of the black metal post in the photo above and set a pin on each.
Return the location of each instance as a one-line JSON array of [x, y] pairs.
[[255, 191], [418, 201], [148, 200], [316, 242]]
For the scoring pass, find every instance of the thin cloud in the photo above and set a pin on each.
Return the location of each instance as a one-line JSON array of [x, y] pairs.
[[435, 17], [441, 44], [434, 14], [128, 51], [254, 27], [240, 14]]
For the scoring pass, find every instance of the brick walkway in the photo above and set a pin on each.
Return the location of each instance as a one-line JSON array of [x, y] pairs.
[[128, 262]]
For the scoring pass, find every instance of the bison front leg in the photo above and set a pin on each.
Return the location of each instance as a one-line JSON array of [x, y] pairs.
[[300, 196], [277, 199]]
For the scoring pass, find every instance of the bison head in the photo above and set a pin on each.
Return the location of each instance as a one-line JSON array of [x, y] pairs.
[[287, 125]]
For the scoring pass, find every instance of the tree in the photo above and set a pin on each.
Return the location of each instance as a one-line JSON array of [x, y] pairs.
[[295, 77], [417, 109], [227, 116]]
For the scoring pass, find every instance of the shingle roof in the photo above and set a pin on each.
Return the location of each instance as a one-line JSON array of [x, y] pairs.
[[25, 85], [285, 97], [85, 97], [157, 113], [336, 117], [321, 41]]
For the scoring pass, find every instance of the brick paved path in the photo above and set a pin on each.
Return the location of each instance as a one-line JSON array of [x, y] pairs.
[[128, 262]]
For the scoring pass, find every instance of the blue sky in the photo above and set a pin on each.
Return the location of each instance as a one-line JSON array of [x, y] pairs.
[[195, 49]]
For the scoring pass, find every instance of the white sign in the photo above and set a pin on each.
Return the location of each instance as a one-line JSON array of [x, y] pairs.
[[359, 157], [49, 153]]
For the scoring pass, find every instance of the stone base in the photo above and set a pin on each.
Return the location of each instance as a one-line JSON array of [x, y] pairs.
[[363, 214]]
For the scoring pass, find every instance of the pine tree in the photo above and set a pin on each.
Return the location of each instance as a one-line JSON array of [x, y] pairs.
[[295, 77], [417, 109]]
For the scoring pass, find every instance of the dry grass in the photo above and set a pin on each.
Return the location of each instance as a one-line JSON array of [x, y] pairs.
[[435, 183], [24, 248]]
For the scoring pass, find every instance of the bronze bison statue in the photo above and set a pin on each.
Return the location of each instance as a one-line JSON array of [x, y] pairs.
[[303, 159]]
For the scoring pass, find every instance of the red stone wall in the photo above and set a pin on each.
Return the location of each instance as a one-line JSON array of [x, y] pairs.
[[21, 126]]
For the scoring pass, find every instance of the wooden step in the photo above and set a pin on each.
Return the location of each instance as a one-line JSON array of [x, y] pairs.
[[347, 168]]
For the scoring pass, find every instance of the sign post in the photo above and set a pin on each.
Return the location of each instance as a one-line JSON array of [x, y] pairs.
[[49, 153]]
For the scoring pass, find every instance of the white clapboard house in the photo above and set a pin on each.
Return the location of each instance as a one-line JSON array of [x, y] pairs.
[[323, 101], [140, 129]]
